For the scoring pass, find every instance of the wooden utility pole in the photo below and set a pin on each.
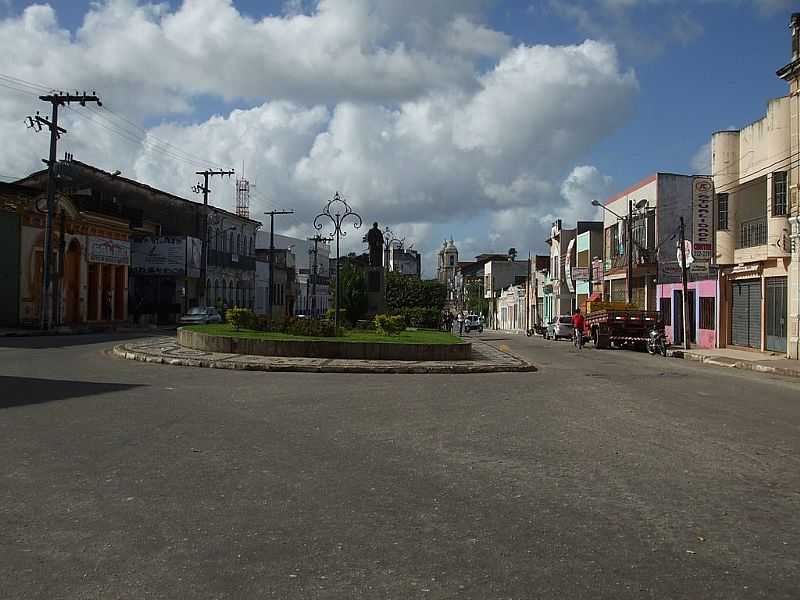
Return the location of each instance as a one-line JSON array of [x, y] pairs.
[[55, 100], [685, 281], [272, 214], [202, 188]]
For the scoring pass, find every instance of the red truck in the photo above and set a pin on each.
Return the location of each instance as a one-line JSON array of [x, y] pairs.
[[621, 325]]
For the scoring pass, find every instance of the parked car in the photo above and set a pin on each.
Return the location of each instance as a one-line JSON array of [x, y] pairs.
[[472, 323], [201, 315], [559, 327]]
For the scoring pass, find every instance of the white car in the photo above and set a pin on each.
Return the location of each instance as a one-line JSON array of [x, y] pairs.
[[201, 315], [472, 323]]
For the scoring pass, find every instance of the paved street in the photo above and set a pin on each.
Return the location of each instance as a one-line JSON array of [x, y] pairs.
[[607, 474]]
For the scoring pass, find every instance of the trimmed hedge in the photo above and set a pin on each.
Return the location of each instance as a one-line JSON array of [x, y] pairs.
[[389, 325], [242, 318]]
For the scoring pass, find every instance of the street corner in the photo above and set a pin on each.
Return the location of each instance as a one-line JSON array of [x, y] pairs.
[[166, 351]]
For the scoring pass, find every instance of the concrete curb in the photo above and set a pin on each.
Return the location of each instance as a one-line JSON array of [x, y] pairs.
[[328, 366], [721, 361]]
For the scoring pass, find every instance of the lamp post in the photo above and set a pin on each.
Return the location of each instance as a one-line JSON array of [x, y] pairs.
[[641, 204], [337, 210]]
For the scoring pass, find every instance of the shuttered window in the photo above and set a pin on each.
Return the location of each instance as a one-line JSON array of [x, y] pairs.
[[707, 313]]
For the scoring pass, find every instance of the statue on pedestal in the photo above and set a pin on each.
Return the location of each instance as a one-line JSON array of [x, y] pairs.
[[375, 241]]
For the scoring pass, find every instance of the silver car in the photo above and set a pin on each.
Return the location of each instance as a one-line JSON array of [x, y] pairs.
[[201, 315], [559, 327]]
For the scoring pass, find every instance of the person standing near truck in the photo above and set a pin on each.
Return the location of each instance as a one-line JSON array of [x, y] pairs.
[[578, 324]]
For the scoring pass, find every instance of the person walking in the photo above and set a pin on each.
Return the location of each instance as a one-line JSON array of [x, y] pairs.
[[578, 323], [460, 319]]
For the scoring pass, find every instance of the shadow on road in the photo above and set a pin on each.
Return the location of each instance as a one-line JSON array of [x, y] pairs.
[[21, 391], [66, 341]]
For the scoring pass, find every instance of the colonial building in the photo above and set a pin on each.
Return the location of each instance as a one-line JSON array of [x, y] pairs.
[[182, 252], [88, 264], [405, 261], [498, 275]]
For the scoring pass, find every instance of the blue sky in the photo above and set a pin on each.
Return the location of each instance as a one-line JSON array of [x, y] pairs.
[[697, 67]]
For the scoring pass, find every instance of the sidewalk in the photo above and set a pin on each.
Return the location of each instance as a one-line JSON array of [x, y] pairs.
[[742, 359], [84, 329]]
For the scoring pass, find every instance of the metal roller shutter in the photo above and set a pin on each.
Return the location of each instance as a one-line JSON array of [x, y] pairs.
[[746, 313]]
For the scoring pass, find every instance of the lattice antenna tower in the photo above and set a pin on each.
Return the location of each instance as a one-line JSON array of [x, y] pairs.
[[243, 188]]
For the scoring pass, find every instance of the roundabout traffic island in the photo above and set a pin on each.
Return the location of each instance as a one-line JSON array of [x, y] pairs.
[[423, 355], [409, 345]]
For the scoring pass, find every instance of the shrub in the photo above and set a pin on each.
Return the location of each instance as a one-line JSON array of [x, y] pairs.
[[240, 317], [423, 318], [331, 313], [294, 326], [389, 325]]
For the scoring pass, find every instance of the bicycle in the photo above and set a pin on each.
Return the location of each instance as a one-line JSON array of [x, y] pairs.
[[577, 339]]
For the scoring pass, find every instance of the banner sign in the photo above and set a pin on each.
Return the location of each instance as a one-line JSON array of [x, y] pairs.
[[108, 251], [159, 256], [703, 217], [568, 266], [194, 256]]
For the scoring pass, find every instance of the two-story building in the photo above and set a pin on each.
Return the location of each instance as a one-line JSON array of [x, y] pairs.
[[497, 276], [750, 168]]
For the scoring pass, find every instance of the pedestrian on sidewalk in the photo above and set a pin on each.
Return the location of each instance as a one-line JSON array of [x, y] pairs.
[[460, 318]]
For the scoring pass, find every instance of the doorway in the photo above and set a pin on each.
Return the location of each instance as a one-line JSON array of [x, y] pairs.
[[72, 283], [746, 313], [677, 331], [776, 306]]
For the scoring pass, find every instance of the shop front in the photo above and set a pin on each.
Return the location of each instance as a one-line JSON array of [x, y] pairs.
[[755, 306]]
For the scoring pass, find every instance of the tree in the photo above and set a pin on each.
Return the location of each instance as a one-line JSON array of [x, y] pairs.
[[474, 296], [512, 253], [404, 291], [353, 286]]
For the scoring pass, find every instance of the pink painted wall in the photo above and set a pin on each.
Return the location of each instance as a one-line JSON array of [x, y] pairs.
[[706, 338]]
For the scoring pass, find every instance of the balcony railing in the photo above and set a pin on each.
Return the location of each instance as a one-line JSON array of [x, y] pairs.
[[752, 233]]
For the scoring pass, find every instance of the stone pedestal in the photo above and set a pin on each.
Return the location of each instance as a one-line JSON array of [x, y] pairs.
[[376, 291]]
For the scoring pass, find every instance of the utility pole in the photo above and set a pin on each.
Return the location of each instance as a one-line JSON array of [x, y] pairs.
[[629, 251], [272, 214], [202, 188], [685, 279], [316, 239], [55, 100]]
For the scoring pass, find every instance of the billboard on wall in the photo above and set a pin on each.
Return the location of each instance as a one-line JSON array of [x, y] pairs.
[[159, 255], [702, 217], [107, 251], [580, 273]]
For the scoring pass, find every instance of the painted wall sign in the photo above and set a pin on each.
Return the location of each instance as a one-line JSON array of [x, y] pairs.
[[703, 217], [108, 251]]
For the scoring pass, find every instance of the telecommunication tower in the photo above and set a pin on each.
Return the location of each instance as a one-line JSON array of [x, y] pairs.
[[243, 197]]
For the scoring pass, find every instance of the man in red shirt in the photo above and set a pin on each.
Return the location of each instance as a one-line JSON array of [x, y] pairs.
[[578, 324]]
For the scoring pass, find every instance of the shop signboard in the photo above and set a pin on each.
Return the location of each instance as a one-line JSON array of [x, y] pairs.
[[107, 251], [580, 273], [702, 217], [159, 256]]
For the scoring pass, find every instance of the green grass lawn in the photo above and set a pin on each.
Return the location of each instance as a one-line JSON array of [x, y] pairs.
[[419, 336]]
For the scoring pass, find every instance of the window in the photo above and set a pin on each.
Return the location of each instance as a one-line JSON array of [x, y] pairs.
[[666, 311], [707, 313], [779, 193], [230, 243], [722, 212]]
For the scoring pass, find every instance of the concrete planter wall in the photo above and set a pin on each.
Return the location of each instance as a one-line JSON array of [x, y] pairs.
[[324, 349]]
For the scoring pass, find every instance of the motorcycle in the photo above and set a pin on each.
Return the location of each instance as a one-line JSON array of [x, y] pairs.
[[537, 329], [657, 342]]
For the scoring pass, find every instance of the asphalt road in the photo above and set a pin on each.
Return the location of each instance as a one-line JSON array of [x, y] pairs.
[[607, 474]]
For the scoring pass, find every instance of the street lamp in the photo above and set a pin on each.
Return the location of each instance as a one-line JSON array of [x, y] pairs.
[[337, 210]]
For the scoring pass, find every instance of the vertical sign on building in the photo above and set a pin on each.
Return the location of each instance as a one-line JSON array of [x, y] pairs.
[[702, 218]]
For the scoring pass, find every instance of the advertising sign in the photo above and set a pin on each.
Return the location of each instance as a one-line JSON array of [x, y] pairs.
[[687, 250], [580, 273], [159, 256], [194, 256], [703, 217], [568, 266], [108, 251]]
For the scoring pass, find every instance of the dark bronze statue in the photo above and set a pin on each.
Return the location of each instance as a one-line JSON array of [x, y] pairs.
[[375, 241]]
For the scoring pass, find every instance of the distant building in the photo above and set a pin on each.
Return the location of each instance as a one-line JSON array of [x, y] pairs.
[[447, 268], [403, 261]]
